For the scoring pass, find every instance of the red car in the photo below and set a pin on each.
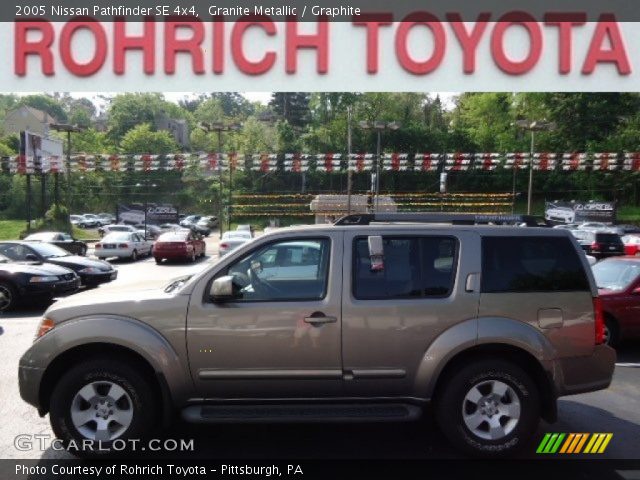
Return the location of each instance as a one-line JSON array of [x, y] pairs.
[[179, 245], [631, 244], [618, 280]]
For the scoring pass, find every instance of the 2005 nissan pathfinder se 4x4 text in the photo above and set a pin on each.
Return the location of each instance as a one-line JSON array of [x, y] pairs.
[[369, 319]]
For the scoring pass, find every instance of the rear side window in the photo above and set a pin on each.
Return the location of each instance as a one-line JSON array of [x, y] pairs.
[[414, 267], [531, 264], [608, 238]]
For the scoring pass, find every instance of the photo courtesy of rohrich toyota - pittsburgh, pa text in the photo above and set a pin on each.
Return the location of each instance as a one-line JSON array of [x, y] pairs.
[[350, 239]]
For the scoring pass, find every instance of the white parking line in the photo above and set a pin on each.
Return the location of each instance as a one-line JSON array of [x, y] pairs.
[[628, 364]]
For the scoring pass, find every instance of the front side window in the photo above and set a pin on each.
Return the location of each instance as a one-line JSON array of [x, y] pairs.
[[414, 267], [283, 271]]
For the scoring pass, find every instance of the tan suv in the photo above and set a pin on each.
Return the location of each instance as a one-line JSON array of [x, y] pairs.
[[366, 320]]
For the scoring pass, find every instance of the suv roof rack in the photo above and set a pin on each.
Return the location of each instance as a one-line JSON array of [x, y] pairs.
[[451, 218]]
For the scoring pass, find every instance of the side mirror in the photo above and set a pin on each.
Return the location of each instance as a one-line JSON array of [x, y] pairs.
[[31, 257], [376, 253], [223, 289]]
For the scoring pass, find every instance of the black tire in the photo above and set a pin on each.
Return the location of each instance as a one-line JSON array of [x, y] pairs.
[[9, 297], [613, 337], [158, 261], [135, 385], [83, 251], [450, 403], [192, 258], [134, 256]]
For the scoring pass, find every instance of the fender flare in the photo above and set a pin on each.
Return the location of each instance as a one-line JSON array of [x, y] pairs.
[[132, 334], [476, 332]]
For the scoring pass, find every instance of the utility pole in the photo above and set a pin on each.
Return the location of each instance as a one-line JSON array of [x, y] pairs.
[[349, 172]]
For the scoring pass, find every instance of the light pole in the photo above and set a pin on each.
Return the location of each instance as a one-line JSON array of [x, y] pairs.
[[65, 127], [220, 127], [533, 126], [146, 184], [379, 127]]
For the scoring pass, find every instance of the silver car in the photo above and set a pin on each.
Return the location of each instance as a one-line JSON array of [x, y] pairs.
[[371, 319], [233, 239]]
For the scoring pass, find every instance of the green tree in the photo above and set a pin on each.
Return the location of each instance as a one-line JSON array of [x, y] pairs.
[[292, 107], [142, 139]]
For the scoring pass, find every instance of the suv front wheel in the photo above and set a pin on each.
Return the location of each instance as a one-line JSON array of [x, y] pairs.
[[98, 402], [489, 408]]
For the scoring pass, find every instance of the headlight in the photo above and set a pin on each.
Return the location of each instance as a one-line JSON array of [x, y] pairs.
[[46, 324], [43, 279], [90, 270]]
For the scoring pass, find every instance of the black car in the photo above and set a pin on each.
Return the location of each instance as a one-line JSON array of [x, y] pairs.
[[22, 282], [600, 244], [91, 272], [62, 240]]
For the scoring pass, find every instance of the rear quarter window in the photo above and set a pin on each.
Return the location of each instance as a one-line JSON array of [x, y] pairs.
[[531, 264]]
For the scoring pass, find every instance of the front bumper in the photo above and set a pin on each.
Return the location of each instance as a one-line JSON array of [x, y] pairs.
[[93, 279], [587, 374], [29, 380], [57, 289]]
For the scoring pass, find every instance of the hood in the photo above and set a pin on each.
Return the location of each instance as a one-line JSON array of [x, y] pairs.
[[31, 269], [143, 305], [75, 261]]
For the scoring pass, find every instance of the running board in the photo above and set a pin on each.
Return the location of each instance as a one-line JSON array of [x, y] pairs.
[[301, 413]]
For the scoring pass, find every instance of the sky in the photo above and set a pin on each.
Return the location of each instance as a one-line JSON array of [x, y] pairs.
[[262, 97]]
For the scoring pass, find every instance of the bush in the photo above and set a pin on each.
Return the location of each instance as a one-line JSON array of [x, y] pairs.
[[55, 219]]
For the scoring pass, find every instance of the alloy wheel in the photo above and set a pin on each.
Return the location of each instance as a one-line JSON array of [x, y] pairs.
[[491, 410], [101, 411]]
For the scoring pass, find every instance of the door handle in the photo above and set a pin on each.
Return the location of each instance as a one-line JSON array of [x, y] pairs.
[[319, 319]]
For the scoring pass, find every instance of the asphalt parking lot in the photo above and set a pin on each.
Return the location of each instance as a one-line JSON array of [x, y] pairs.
[[616, 410]]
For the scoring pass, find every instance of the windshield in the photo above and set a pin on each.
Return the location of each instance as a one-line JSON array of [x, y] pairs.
[[49, 251], [116, 237], [41, 236], [173, 237], [615, 275], [122, 228], [236, 234]]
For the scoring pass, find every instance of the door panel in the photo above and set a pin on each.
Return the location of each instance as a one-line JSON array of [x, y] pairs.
[[270, 349], [385, 339]]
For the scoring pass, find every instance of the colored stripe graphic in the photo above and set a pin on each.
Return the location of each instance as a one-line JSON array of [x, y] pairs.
[[573, 443]]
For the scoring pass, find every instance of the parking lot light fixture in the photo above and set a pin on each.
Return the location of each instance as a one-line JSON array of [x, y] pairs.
[[533, 126], [379, 126]]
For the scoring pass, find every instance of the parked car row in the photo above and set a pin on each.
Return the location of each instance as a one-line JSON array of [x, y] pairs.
[[90, 220], [36, 271], [200, 223]]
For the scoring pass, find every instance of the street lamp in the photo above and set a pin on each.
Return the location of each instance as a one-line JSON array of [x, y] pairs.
[[379, 126], [533, 126], [220, 127], [65, 127]]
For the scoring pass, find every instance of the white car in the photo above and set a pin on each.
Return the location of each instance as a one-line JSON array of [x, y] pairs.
[[131, 216], [594, 226], [123, 245], [560, 214], [233, 239]]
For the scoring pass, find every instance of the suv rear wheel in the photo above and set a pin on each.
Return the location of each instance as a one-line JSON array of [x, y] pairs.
[[101, 401], [489, 408]]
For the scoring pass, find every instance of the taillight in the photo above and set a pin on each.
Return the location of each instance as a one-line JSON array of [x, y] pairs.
[[224, 245], [599, 320], [98, 246], [595, 246], [123, 245]]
